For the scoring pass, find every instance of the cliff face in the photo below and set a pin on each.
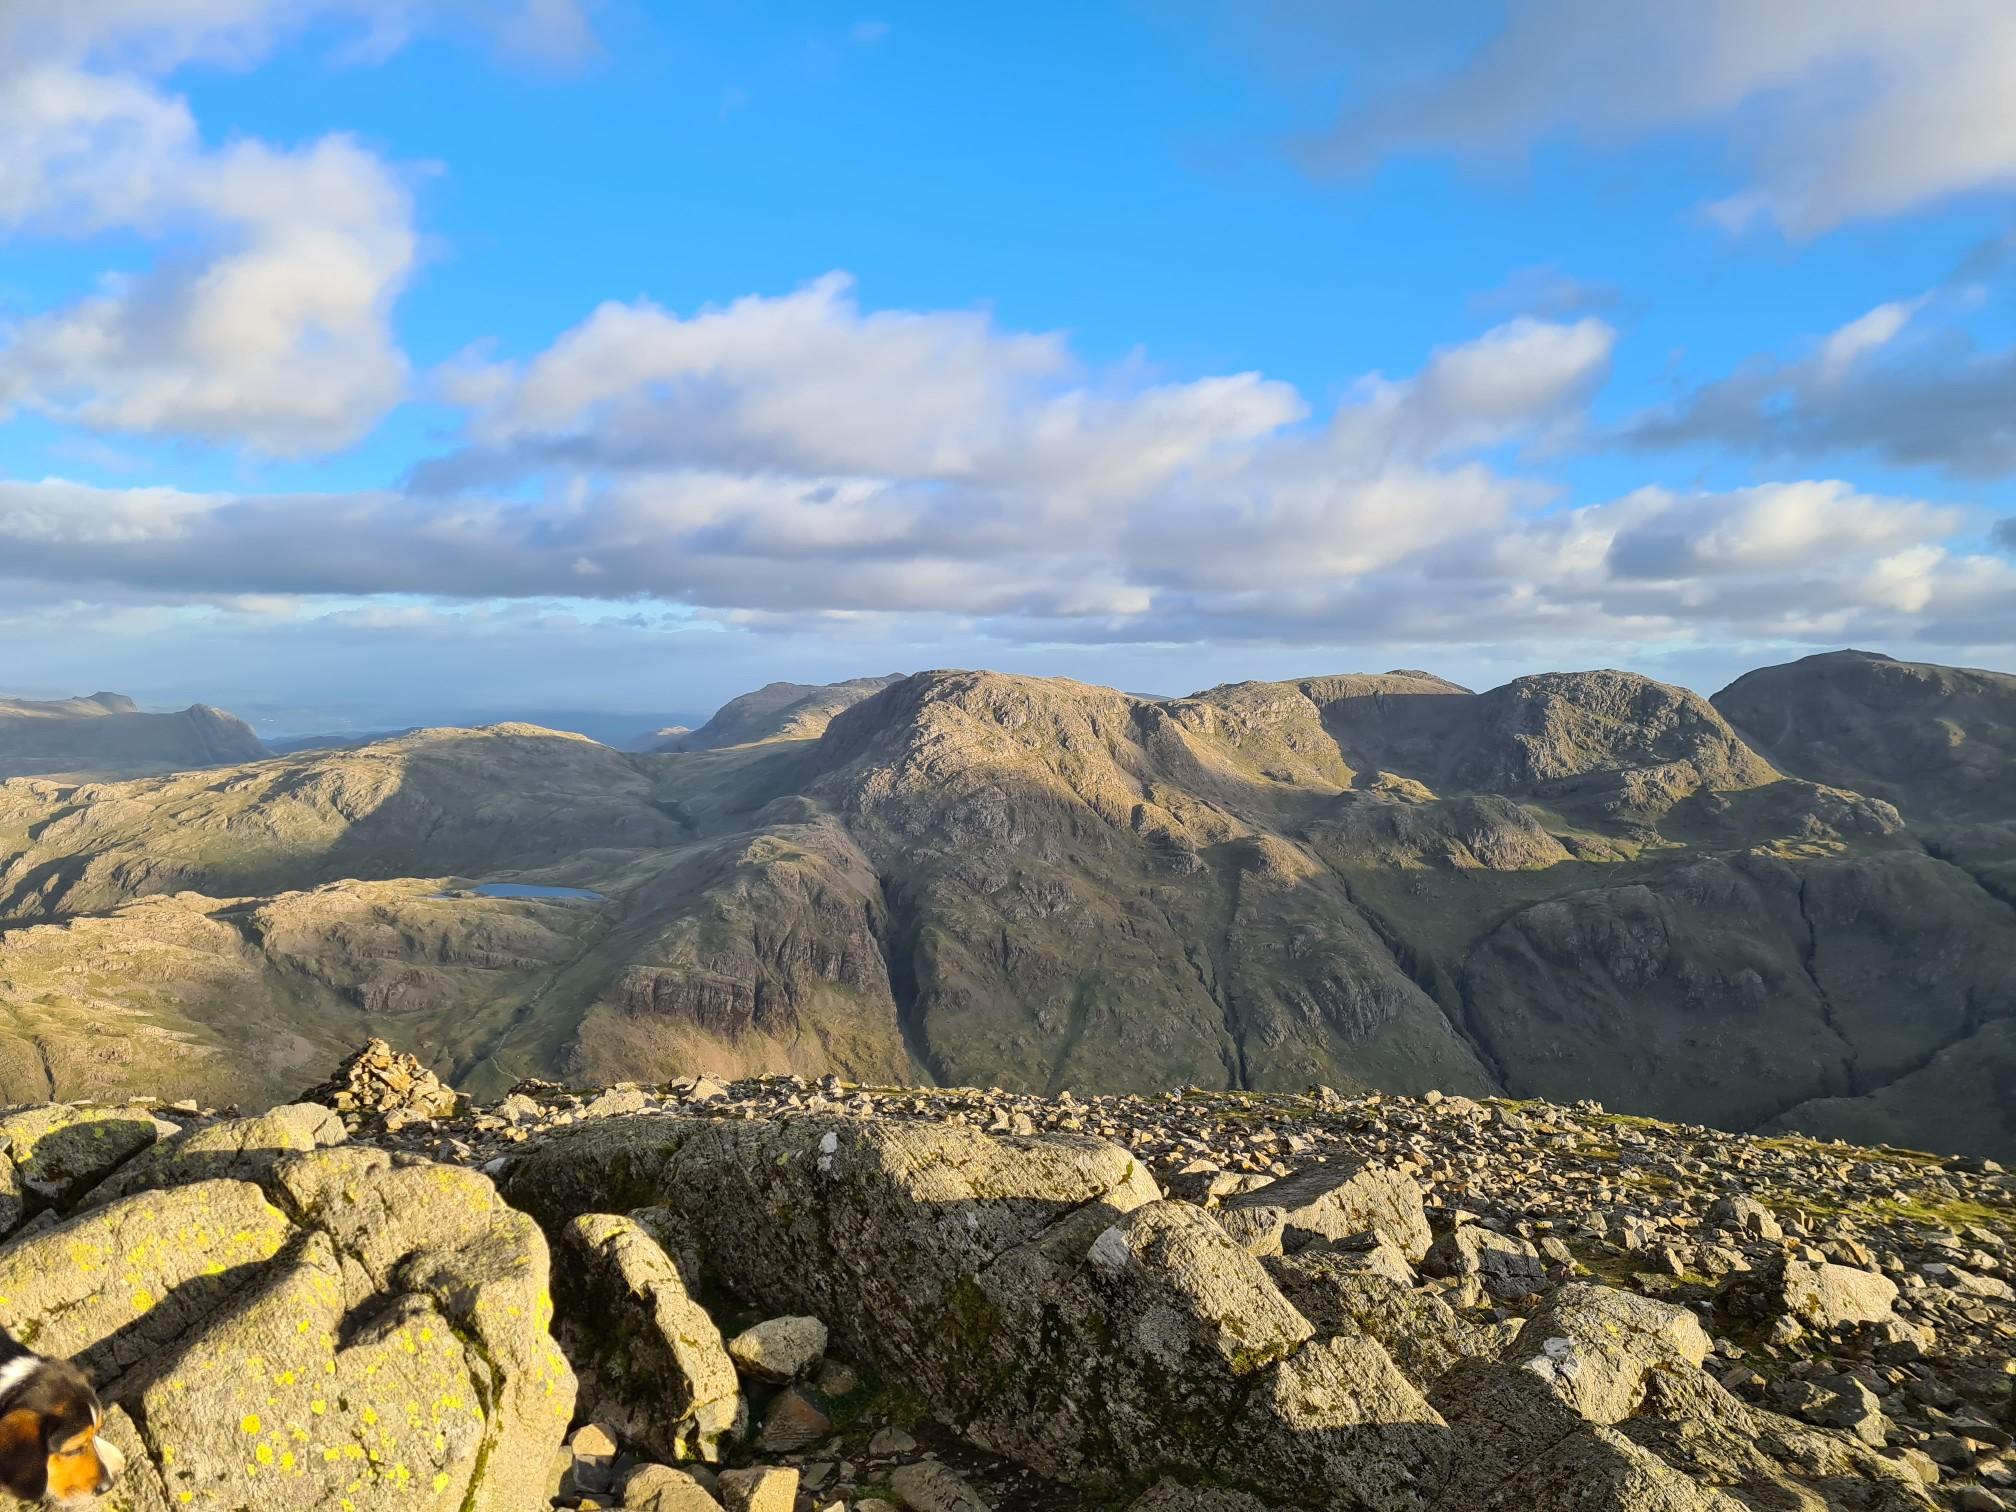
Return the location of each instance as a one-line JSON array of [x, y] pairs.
[[1578, 884]]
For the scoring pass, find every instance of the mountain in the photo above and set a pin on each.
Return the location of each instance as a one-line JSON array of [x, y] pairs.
[[1575, 885], [107, 733], [1939, 742], [777, 711]]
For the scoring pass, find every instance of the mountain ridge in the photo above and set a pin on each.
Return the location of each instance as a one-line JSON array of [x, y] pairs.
[[1575, 884]]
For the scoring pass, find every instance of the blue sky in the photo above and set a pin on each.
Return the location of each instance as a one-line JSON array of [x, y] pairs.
[[1155, 345]]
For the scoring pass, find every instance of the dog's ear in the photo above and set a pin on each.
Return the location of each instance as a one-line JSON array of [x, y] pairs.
[[24, 1458]]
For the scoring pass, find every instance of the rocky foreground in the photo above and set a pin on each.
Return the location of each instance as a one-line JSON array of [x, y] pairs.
[[778, 1294]]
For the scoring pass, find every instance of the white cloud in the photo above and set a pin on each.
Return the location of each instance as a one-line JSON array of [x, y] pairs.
[[1843, 108], [789, 463], [280, 337], [1906, 381], [1865, 334], [269, 320]]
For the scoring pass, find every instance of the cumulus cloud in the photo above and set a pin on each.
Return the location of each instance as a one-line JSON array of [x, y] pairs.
[[269, 319], [1906, 381], [797, 461], [1842, 108]]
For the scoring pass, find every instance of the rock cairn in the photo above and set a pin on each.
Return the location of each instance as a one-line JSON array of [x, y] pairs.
[[378, 1083]]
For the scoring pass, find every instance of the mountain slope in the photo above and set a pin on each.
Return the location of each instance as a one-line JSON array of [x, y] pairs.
[[1575, 885], [1939, 742], [107, 733], [777, 711]]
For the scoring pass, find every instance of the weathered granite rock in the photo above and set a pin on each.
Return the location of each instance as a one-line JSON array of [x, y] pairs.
[[357, 1329], [779, 1349], [1508, 1268], [1827, 1296], [652, 1356], [238, 1149], [760, 1488], [1424, 1335], [933, 1486], [1523, 1448], [1337, 1199], [666, 1488], [58, 1150], [1595, 1346]]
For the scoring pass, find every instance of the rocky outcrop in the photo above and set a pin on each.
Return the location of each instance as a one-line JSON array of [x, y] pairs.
[[278, 1325], [652, 1360], [1049, 1305]]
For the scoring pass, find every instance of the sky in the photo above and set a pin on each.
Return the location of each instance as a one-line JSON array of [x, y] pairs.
[[376, 362]]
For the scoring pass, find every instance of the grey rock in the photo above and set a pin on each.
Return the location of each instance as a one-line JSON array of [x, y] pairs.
[[779, 1349], [1508, 1268], [650, 1352], [1595, 1346], [1344, 1197], [934, 1486]]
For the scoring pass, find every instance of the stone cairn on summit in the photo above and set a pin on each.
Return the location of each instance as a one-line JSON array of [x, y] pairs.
[[378, 1082]]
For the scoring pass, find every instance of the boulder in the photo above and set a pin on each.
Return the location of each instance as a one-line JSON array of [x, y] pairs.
[[1823, 1295], [761, 1488], [1523, 1448], [1595, 1347], [665, 1488], [1336, 1200], [1506, 1267], [652, 1357], [55, 1151], [1424, 1335], [779, 1349], [353, 1330], [241, 1149], [934, 1486], [1745, 1215]]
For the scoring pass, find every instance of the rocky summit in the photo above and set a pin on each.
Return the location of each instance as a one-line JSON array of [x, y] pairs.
[[815, 1296], [1784, 909]]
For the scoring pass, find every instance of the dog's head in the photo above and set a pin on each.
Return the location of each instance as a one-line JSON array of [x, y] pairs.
[[49, 1445]]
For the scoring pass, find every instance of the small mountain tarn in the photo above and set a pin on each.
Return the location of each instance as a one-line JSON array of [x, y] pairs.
[[1575, 884]]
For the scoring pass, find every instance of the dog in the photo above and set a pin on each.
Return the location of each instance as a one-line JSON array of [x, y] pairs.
[[49, 1418]]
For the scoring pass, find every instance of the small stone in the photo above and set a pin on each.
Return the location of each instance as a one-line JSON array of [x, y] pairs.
[[779, 1349], [796, 1420], [934, 1486], [888, 1441], [761, 1488]]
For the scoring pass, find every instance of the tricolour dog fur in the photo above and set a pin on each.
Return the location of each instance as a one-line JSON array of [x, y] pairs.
[[49, 1418]]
